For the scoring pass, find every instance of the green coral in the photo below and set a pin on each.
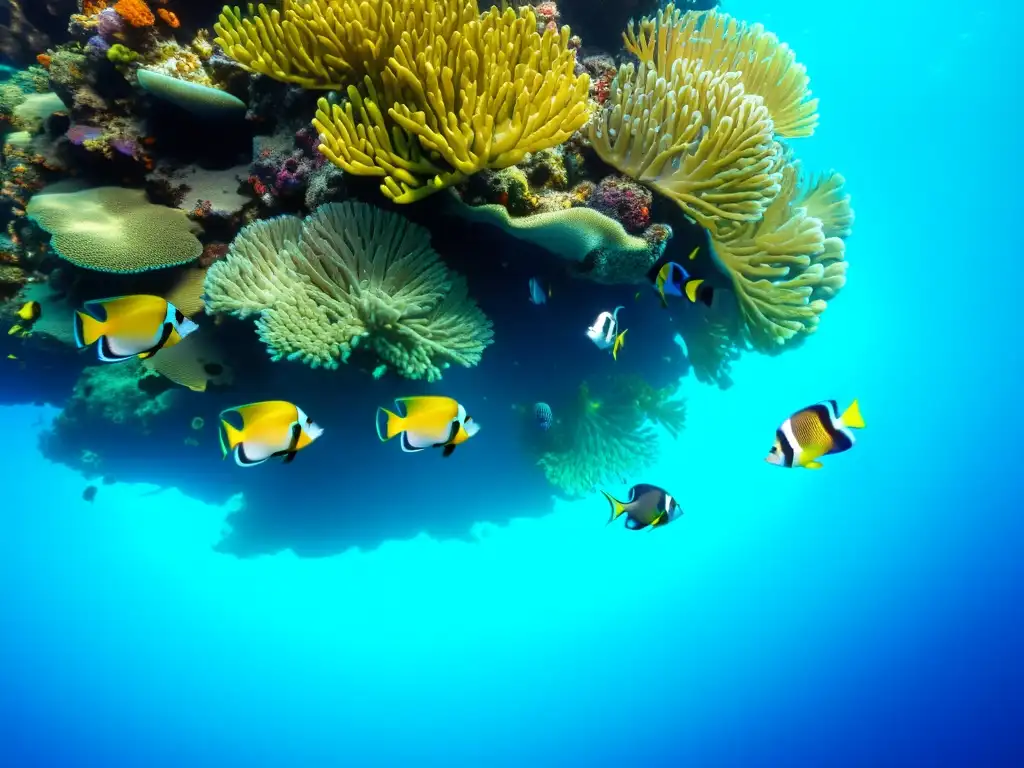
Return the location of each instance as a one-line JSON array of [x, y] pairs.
[[121, 54], [350, 277], [602, 439]]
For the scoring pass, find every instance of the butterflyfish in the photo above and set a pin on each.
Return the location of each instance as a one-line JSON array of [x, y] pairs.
[[429, 421], [673, 280], [274, 428], [605, 332], [813, 432], [648, 506], [130, 326]]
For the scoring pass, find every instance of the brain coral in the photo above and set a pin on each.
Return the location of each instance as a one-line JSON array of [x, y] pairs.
[[111, 229], [350, 275]]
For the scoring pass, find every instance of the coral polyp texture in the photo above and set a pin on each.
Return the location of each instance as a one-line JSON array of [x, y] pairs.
[[350, 276], [766, 66], [113, 229], [436, 90], [694, 135], [786, 266]]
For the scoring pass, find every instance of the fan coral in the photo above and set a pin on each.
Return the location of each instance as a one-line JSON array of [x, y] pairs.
[[693, 135], [112, 229], [350, 276], [436, 91], [766, 67], [787, 265]]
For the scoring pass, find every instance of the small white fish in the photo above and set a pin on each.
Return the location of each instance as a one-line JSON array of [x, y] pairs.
[[537, 293], [605, 332]]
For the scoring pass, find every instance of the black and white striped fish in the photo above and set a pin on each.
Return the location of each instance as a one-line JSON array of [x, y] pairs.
[[813, 432]]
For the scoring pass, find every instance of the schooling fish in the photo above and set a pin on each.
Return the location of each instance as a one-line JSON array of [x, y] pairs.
[[647, 506], [605, 332], [271, 428], [130, 326], [537, 293], [813, 432], [429, 421], [673, 279]]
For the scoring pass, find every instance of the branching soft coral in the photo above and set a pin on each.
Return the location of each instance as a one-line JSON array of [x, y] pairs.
[[766, 67], [785, 266], [693, 134], [350, 276]]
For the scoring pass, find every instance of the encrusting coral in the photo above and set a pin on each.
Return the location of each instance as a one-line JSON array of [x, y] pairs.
[[766, 67], [436, 90], [113, 229], [350, 276], [785, 266]]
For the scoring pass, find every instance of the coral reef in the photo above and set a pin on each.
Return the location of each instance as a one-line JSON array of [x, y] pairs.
[[350, 276], [603, 439], [113, 229], [437, 93], [289, 173]]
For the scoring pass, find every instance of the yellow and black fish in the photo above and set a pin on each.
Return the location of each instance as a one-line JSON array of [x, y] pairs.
[[27, 316], [813, 432], [673, 280], [269, 429], [648, 506], [430, 421], [130, 326]]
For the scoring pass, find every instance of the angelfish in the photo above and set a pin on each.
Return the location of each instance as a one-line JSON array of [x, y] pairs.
[[813, 432], [130, 326], [271, 428], [648, 506], [605, 334], [430, 421]]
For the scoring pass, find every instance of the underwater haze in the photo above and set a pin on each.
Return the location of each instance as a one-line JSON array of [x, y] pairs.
[[866, 614]]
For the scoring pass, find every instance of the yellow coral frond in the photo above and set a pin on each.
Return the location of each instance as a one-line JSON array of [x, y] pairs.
[[767, 67], [694, 135]]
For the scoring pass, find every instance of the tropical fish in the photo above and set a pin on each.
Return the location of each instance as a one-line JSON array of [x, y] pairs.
[[28, 314], [537, 293], [271, 428], [673, 279], [813, 432], [647, 506], [604, 332], [130, 326], [542, 413], [429, 421], [89, 494]]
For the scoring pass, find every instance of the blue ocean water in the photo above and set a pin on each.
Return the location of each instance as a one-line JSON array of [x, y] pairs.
[[865, 614]]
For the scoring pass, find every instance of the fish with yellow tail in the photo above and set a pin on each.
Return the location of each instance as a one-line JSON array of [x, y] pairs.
[[274, 428], [812, 432], [429, 421], [605, 332], [648, 506], [130, 326], [29, 313], [673, 280]]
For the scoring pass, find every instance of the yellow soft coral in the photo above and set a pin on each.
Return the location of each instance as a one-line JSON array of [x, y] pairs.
[[694, 135], [766, 66], [350, 276], [436, 91], [784, 267]]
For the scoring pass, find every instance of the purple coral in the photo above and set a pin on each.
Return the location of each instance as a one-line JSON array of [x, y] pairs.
[[109, 23], [78, 134], [97, 47], [623, 200]]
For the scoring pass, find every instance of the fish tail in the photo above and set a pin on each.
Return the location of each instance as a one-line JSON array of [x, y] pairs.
[[696, 291], [851, 416], [87, 329], [617, 506], [388, 424], [693, 253], [229, 437], [619, 341]]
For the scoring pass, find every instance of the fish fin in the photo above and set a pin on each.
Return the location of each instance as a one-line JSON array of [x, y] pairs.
[[289, 457], [427, 403], [407, 445], [851, 416], [88, 329], [448, 450], [229, 437], [14, 329], [617, 506], [693, 253], [165, 335], [661, 519], [108, 355], [619, 342], [242, 460], [388, 424], [813, 465]]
